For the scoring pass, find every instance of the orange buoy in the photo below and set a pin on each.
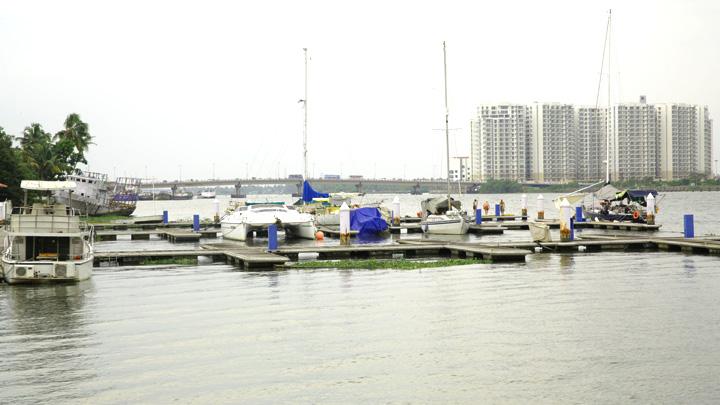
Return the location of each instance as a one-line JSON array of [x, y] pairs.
[[636, 215], [419, 214], [319, 235]]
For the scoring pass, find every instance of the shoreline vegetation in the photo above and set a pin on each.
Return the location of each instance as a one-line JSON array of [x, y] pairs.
[[395, 264]]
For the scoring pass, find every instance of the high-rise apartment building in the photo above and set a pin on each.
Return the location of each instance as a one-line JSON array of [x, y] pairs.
[[685, 141], [500, 142], [554, 142], [591, 126]]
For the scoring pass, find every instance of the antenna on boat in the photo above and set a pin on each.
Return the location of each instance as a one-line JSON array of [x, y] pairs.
[[304, 100], [447, 129]]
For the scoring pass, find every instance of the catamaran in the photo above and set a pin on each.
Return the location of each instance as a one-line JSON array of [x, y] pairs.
[[450, 221], [47, 242], [240, 224]]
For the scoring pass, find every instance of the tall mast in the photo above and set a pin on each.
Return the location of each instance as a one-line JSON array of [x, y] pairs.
[[607, 136], [305, 103], [447, 129]]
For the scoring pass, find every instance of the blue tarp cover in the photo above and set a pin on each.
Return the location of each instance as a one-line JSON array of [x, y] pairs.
[[367, 221], [309, 193]]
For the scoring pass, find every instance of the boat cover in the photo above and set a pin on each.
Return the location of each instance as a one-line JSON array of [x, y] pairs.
[[608, 192], [309, 193], [438, 205], [636, 195], [367, 221]]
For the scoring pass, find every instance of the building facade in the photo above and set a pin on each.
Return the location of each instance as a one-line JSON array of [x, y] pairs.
[[555, 142], [591, 126], [685, 141], [501, 142]]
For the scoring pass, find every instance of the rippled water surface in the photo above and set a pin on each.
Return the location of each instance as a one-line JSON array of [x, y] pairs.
[[606, 327]]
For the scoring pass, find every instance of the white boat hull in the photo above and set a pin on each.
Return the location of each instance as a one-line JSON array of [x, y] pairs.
[[30, 272], [444, 225], [242, 231]]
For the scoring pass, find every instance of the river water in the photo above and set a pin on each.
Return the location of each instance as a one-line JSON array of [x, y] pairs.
[[601, 327]]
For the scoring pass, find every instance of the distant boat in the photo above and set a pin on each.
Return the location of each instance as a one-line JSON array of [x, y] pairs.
[[47, 242], [247, 219], [91, 195], [208, 194]]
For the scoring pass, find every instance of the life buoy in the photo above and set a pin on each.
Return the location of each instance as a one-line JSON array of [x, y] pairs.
[[636, 215]]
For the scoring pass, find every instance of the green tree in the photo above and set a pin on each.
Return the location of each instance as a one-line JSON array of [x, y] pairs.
[[76, 133], [12, 169], [45, 159]]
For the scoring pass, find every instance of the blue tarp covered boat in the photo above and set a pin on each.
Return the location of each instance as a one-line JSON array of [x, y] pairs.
[[367, 221]]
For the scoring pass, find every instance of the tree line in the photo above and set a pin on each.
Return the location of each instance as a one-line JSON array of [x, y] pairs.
[[41, 155]]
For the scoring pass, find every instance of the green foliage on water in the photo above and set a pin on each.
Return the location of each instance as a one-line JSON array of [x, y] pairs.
[[183, 261], [373, 264]]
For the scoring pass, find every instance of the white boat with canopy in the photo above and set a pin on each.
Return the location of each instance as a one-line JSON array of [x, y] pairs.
[[46, 242]]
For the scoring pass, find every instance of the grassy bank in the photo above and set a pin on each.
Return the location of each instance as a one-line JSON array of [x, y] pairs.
[[383, 264]]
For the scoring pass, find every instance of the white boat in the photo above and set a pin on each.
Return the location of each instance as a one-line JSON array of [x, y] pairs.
[[449, 221], [258, 217], [47, 242], [540, 232], [208, 194]]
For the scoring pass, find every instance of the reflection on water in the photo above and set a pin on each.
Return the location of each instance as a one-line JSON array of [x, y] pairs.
[[603, 327], [44, 336]]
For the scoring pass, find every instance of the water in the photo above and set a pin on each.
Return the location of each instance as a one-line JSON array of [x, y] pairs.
[[600, 327]]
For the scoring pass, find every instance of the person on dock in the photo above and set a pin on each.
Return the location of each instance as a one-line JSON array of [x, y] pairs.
[[502, 207], [475, 204], [486, 207]]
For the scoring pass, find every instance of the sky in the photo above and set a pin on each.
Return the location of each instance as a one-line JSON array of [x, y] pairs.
[[204, 89]]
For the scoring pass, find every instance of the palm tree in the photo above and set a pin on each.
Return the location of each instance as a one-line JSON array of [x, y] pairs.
[[76, 131], [33, 135]]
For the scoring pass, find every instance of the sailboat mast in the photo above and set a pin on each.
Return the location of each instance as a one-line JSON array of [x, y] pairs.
[[305, 103], [608, 131], [447, 128]]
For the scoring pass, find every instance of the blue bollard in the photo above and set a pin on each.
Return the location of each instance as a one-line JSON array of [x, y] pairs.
[[497, 210], [165, 217], [572, 229], [196, 222], [478, 216], [272, 238], [578, 215], [689, 226]]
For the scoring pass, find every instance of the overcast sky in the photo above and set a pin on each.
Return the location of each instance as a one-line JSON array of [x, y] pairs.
[[171, 87]]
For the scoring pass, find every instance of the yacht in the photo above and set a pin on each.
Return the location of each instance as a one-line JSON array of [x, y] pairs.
[[208, 194], [443, 215], [46, 242], [258, 217]]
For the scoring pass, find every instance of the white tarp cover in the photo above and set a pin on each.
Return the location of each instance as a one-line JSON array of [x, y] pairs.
[[47, 185]]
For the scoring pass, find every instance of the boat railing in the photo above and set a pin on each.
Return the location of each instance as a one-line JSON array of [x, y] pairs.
[[42, 218]]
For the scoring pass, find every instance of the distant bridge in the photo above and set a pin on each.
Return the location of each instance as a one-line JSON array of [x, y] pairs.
[[412, 186], [439, 185]]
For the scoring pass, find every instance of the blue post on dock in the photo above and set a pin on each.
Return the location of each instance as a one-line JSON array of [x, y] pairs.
[[196, 222], [689, 226], [497, 210], [165, 217], [578, 214], [478, 216], [272, 238]]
